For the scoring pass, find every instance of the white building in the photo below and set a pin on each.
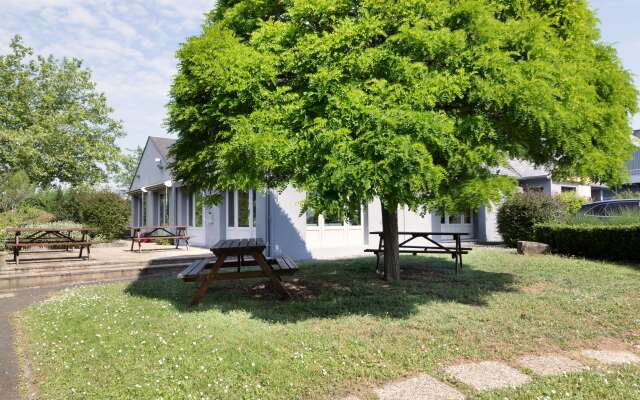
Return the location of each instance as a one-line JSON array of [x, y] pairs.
[[276, 217]]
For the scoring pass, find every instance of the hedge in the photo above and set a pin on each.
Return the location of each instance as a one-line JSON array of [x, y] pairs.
[[606, 242]]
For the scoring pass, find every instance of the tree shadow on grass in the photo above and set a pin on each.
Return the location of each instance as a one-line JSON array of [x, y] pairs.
[[330, 289]]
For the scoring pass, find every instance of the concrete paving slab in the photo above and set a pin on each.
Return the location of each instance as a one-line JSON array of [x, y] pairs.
[[487, 375], [421, 387], [7, 295], [611, 357], [551, 364]]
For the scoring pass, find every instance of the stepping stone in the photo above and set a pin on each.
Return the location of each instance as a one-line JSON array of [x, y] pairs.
[[488, 375], [551, 364], [612, 357], [421, 387]]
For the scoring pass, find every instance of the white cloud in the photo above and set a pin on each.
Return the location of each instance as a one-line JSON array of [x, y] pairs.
[[128, 45]]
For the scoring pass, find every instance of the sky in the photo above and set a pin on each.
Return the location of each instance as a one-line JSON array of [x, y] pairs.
[[130, 46]]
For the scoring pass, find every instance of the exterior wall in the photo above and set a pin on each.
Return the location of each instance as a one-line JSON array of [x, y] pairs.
[[288, 227], [581, 190], [544, 183], [488, 224], [634, 168], [149, 174]]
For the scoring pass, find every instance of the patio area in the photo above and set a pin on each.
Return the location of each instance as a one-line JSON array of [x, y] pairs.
[[115, 262]]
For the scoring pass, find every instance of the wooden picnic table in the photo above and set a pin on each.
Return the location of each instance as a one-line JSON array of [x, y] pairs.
[[158, 232], [52, 237], [408, 246], [238, 253]]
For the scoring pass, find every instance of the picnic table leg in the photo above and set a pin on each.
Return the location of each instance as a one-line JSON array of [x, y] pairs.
[[458, 255], [202, 290], [16, 250], [268, 271]]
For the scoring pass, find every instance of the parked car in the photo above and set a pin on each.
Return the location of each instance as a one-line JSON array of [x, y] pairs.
[[610, 207]]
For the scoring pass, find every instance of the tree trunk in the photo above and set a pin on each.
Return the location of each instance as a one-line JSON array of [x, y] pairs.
[[391, 249]]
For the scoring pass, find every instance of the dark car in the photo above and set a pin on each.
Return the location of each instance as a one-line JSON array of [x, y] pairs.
[[610, 207]]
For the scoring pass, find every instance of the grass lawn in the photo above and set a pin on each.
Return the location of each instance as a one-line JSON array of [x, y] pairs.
[[347, 332]]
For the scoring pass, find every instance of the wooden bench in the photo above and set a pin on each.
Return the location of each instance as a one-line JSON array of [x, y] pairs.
[[199, 269], [433, 247]]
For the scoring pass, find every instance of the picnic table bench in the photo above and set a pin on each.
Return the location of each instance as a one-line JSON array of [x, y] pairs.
[[50, 237], [147, 234], [238, 259], [408, 246]]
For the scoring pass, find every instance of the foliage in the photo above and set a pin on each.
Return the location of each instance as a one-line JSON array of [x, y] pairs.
[[518, 215], [128, 166], [626, 194], [352, 334], [572, 202], [54, 125], [414, 104], [104, 210], [23, 216], [603, 241], [15, 187]]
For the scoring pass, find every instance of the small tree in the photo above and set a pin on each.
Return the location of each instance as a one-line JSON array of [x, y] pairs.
[[415, 103]]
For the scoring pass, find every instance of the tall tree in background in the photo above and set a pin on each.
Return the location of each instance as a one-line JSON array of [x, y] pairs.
[[414, 102], [54, 125]]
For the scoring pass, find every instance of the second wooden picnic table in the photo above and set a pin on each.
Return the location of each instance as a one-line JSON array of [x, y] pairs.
[[408, 245], [247, 252], [50, 237], [159, 232]]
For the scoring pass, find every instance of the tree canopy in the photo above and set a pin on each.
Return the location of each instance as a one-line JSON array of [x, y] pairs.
[[54, 124], [414, 102]]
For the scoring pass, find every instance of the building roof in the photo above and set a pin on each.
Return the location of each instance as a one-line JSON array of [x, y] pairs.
[[521, 169], [162, 145]]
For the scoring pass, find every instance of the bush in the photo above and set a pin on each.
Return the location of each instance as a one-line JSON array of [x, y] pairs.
[[21, 217], [104, 210], [518, 215], [572, 202], [607, 242]]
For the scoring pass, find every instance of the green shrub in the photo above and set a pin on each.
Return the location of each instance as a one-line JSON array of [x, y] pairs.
[[518, 215], [627, 194], [23, 216], [104, 210], [572, 202], [607, 242]]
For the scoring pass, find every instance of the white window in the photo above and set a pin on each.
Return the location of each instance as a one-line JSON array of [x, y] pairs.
[[241, 209], [195, 210], [332, 220]]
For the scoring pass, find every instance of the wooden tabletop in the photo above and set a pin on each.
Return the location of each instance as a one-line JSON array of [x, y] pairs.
[[423, 233], [152, 227], [238, 246], [51, 229]]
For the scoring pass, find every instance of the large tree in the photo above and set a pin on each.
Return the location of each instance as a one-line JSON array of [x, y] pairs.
[[54, 124], [414, 102]]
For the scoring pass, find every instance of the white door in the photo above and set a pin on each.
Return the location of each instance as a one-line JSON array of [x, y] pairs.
[[241, 215], [462, 222]]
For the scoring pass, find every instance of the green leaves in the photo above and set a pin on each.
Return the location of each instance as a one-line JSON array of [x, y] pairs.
[[414, 102], [53, 123]]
